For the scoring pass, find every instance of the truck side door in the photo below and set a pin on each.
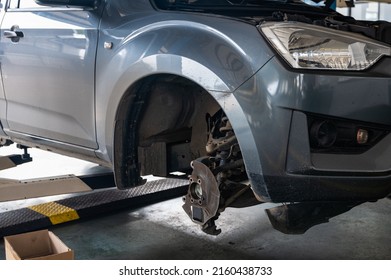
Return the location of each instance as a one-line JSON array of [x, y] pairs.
[[48, 68]]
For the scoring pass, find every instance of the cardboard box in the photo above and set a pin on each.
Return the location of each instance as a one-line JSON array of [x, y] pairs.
[[36, 245]]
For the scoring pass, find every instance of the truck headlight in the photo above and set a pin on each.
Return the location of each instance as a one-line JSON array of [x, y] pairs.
[[315, 47]]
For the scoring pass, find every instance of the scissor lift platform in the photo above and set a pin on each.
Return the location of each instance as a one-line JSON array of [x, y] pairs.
[[104, 198], [88, 205]]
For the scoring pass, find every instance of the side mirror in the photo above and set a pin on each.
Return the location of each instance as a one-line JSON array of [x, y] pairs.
[[78, 3]]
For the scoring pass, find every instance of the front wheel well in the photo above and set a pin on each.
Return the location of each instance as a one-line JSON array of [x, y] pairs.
[[160, 128], [168, 124]]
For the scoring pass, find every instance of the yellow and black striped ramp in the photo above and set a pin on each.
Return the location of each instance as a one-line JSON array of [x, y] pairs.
[[89, 205]]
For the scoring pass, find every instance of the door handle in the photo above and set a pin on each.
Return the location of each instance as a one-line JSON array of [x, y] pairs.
[[13, 34]]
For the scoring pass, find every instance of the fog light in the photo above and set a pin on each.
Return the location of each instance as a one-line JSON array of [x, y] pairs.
[[323, 134], [362, 136]]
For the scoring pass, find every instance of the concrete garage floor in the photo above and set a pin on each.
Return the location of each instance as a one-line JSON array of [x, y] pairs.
[[163, 231]]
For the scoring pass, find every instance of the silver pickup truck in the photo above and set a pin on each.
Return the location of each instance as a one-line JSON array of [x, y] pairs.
[[283, 100]]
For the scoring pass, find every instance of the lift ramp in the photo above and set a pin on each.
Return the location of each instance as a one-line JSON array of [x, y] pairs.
[[89, 205], [87, 196], [49, 186], [15, 190]]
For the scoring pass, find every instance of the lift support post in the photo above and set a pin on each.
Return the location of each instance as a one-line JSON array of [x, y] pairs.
[[7, 162]]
